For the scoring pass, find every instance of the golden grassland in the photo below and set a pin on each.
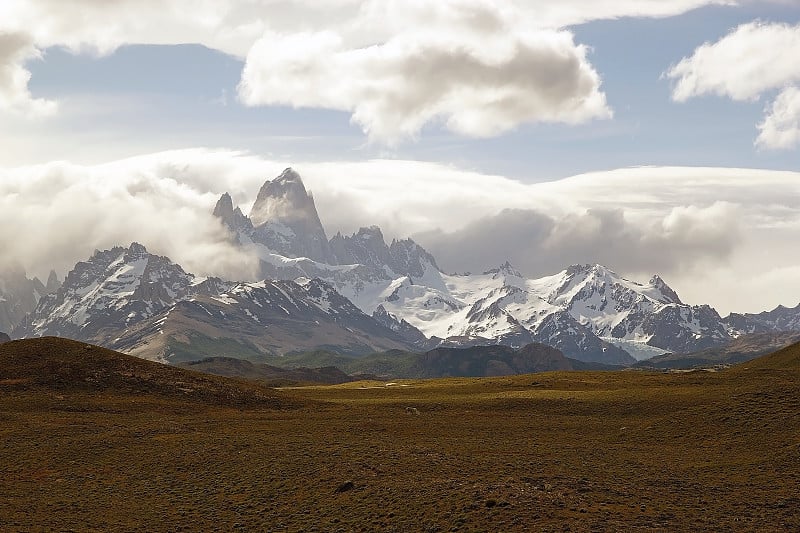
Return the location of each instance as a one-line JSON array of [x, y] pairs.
[[571, 451]]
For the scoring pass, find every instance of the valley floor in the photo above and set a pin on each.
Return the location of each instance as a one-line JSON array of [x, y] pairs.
[[560, 451]]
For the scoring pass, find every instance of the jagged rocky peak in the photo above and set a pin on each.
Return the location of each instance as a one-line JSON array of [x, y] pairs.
[[136, 251], [233, 218], [107, 292], [224, 207], [586, 270], [283, 199], [53, 283], [370, 234], [409, 258], [286, 221], [669, 294], [506, 269], [365, 247]]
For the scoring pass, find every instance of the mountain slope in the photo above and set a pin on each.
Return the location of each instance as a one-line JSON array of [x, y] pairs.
[[143, 304], [582, 311], [786, 359], [70, 366], [256, 320], [111, 291]]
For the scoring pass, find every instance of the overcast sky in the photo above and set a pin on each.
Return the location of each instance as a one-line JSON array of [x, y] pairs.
[[647, 135]]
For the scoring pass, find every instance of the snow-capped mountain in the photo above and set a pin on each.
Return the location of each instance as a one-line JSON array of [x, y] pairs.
[[257, 320], [20, 295], [115, 288], [356, 293], [283, 220], [131, 300], [284, 231], [587, 311]]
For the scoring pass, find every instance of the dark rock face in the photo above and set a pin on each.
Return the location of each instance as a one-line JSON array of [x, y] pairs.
[[668, 294], [283, 218], [4, 338]]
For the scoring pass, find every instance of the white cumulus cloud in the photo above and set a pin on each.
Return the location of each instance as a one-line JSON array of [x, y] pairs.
[[461, 62], [479, 67], [781, 126], [753, 60], [15, 50]]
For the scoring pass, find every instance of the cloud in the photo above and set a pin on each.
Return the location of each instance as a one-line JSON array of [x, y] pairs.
[[571, 12], [59, 213], [781, 126], [703, 229], [15, 50], [479, 81], [687, 238], [753, 60], [478, 67]]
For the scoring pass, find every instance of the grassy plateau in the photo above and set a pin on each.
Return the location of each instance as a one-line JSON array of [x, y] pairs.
[[91, 440]]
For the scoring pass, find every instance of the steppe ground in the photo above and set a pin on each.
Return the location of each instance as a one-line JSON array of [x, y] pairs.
[[578, 451]]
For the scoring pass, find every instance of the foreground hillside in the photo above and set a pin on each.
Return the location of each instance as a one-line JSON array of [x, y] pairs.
[[558, 451], [69, 367]]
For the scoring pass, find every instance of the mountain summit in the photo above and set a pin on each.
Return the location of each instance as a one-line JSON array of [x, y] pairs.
[[233, 219], [283, 199], [285, 219]]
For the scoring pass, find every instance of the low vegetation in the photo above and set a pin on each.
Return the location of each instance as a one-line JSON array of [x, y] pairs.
[[578, 451]]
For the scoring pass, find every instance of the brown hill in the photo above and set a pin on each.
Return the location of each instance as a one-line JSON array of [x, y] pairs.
[[65, 366], [785, 359], [241, 368], [496, 360]]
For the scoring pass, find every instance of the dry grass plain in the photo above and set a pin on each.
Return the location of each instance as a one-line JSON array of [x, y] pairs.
[[572, 451]]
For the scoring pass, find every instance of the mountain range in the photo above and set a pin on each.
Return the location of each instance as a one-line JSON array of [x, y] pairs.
[[355, 294]]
